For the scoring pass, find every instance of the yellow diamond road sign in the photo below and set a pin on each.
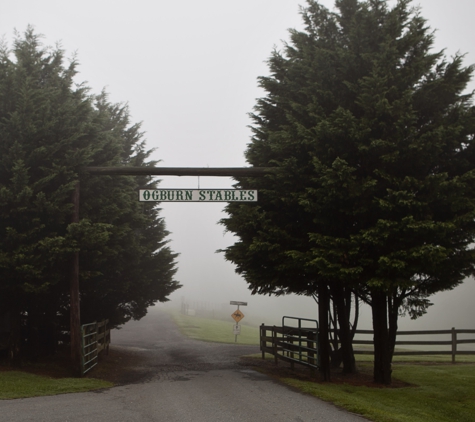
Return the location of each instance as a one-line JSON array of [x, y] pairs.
[[237, 315]]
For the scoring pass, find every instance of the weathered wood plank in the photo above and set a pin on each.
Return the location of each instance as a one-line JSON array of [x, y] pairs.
[[182, 171]]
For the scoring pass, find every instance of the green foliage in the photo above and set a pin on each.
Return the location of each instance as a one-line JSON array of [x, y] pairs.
[[371, 138], [51, 128]]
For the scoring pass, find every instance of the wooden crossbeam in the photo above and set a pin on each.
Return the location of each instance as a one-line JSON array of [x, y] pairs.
[[181, 171]]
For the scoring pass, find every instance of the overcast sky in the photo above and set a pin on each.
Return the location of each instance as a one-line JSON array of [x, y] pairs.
[[188, 70]]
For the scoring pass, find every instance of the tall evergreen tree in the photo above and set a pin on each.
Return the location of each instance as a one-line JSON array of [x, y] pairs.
[[50, 130], [372, 140]]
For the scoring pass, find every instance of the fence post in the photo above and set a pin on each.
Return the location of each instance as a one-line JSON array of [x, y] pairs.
[[312, 354], [292, 354], [311, 345], [454, 344], [274, 344], [262, 340]]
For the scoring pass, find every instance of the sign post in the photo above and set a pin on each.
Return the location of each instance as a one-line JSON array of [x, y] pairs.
[[237, 316]]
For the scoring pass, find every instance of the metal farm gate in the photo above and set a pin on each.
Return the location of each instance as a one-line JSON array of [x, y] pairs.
[[94, 339], [292, 342]]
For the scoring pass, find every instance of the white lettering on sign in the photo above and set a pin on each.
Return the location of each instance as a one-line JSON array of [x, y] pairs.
[[197, 195]]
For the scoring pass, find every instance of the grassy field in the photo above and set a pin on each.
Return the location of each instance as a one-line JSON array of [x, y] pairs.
[[436, 391], [214, 330], [17, 384]]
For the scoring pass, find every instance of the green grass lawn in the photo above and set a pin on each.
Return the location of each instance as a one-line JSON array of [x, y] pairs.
[[438, 393], [17, 384], [214, 330]]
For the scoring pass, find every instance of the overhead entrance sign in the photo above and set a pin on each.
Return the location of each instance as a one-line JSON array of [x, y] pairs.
[[197, 195]]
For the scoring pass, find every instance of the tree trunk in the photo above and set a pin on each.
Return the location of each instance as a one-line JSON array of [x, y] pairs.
[[343, 305], [393, 307], [335, 351], [323, 307], [356, 318], [382, 355]]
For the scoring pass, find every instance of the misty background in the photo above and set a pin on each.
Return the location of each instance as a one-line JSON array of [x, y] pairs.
[[188, 70]]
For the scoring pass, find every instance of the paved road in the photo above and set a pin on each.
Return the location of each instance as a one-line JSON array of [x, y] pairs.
[[181, 380]]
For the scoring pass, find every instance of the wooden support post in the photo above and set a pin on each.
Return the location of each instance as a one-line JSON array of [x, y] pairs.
[[75, 319], [454, 344], [274, 344], [311, 345], [262, 340]]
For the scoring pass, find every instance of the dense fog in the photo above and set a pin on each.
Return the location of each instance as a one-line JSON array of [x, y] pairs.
[[188, 70]]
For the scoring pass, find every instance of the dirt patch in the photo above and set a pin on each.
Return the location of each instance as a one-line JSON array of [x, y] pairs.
[[122, 366], [57, 366]]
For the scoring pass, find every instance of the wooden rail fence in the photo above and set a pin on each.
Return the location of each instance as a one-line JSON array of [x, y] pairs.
[[451, 341], [95, 338], [284, 344]]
